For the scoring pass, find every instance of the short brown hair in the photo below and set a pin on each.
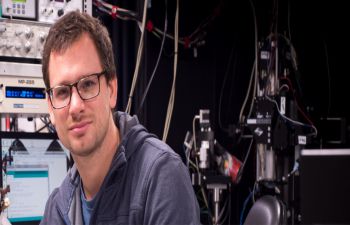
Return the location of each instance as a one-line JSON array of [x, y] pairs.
[[69, 29]]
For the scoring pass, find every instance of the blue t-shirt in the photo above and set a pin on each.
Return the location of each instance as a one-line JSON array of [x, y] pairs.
[[87, 206]]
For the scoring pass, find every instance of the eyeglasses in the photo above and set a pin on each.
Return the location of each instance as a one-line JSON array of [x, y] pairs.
[[88, 87]]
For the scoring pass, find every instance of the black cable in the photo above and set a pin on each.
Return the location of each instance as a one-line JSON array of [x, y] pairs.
[[48, 124], [227, 210], [42, 128], [158, 59]]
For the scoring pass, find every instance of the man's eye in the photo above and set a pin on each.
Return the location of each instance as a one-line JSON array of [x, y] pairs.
[[88, 84], [61, 93]]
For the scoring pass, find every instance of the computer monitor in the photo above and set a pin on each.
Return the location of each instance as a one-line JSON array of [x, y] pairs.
[[325, 186], [40, 163]]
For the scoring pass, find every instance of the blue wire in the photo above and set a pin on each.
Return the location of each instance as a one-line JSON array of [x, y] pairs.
[[244, 206]]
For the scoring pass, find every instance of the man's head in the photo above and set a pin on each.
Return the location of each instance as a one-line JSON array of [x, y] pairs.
[[79, 72], [68, 30]]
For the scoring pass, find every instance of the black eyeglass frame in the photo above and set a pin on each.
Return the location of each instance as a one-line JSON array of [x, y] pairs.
[[75, 84]]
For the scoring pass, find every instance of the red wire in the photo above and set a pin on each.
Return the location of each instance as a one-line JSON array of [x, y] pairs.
[[114, 11]]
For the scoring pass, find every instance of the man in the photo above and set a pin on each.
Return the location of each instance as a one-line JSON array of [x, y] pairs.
[[122, 174]]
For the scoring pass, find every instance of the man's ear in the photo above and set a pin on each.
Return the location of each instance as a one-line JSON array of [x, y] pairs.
[[113, 92]]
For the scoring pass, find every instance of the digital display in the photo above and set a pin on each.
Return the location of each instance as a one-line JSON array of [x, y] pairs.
[[25, 92], [19, 1]]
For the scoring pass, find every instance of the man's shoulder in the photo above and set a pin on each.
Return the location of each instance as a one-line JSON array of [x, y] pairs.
[[149, 154], [155, 149], [160, 146]]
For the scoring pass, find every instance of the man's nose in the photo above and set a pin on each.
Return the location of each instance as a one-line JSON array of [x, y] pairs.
[[76, 103]]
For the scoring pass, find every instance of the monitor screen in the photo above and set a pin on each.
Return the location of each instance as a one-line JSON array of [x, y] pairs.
[[29, 187], [325, 186], [39, 165]]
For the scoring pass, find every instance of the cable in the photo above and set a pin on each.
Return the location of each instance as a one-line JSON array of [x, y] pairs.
[[294, 170], [240, 172], [289, 119], [255, 37], [247, 95], [197, 36], [115, 11], [205, 199], [172, 94], [244, 207], [193, 164], [47, 123], [254, 93], [223, 209], [254, 70], [255, 186], [296, 101], [194, 131], [194, 39], [188, 159], [158, 59], [138, 59], [228, 211]]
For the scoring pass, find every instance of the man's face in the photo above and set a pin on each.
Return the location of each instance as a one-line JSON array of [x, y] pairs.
[[83, 125]]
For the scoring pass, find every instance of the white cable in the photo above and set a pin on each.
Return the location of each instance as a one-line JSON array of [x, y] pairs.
[[105, 4], [105, 10], [138, 59], [254, 70], [254, 93], [194, 141], [204, 198], [256, 58], [168, 35], [247, 95], [194, 131], [255, 37], [172, 94]]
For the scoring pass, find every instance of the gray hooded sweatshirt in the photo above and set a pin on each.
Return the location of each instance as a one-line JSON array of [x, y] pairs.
[[147, 183]]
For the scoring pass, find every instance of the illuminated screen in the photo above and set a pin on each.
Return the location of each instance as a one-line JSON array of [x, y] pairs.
[[21, 1], [25, 92], [39, 166], [29, 185]]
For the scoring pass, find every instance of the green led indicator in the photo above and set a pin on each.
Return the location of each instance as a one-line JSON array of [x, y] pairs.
[[19, 1]]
